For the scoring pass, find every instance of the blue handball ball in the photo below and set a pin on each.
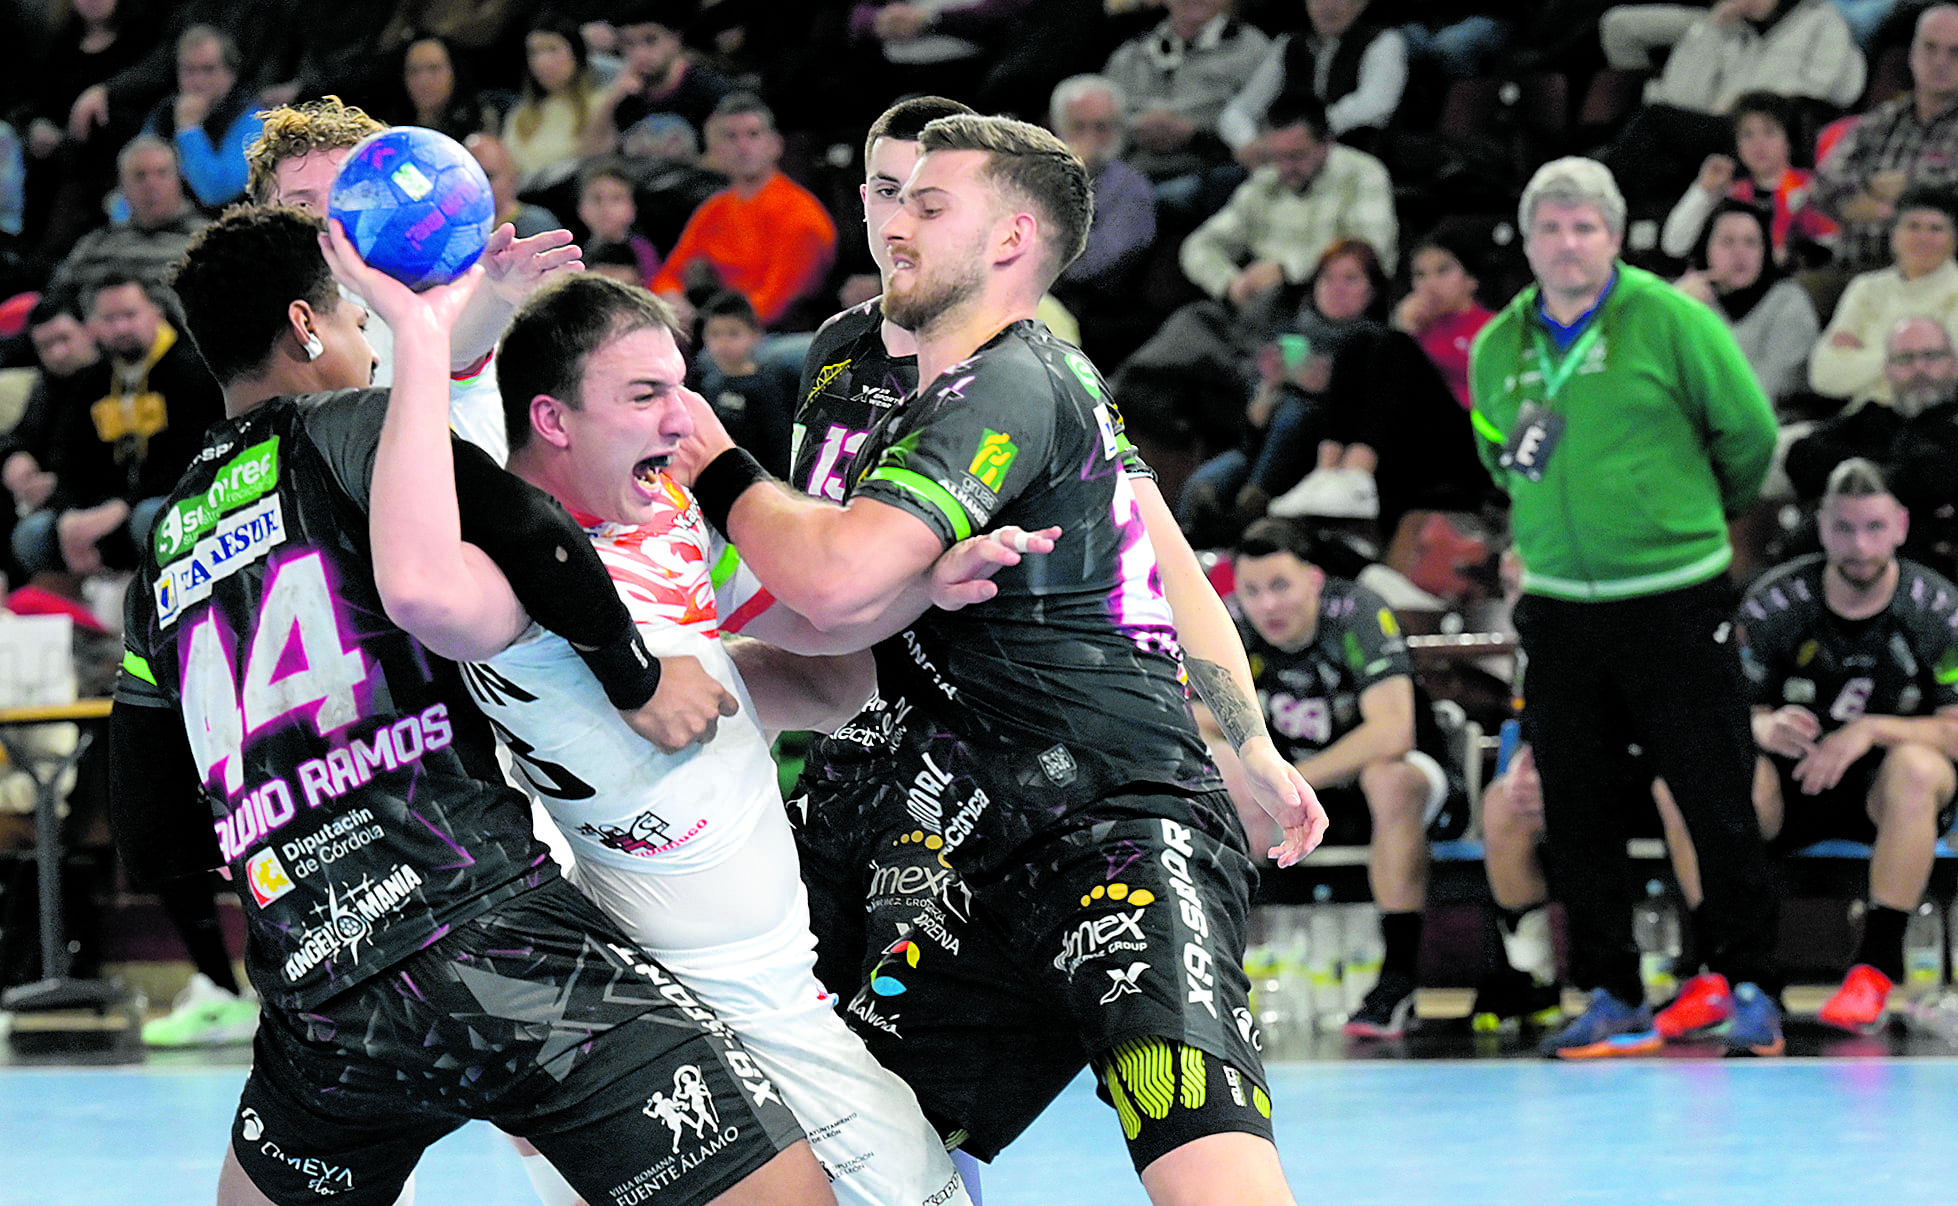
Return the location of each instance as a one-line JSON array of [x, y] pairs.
[[415, 204]]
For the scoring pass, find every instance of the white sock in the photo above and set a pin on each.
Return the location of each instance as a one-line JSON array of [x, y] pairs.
[[552, 1189], [1529, 948]]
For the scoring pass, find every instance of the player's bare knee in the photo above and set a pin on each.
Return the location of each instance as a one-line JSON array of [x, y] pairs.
[[1395, 789], [1916, 780]]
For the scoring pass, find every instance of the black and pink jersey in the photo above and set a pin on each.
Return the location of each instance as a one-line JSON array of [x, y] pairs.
[[1066, 686], [353, 788]]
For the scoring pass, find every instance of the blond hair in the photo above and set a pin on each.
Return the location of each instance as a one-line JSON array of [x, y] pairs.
[[296, 131]]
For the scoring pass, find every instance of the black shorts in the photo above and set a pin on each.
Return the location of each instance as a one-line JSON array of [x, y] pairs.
[[1841, 812], [539, 1017], [989, 998]]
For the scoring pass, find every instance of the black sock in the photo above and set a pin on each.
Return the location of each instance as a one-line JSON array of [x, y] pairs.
[[192, 907], [1401, 935], [1883, 940]]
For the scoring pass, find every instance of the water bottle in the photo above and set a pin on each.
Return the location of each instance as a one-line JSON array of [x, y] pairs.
[[1655, 928], [1323, 946], [1281, 998], [1923, 952]]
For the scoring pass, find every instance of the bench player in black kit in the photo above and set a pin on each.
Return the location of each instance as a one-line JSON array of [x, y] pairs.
[[420, 959]]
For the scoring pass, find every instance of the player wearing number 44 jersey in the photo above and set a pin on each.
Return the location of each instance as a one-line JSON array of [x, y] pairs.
[[1050, 755], [420, 958]]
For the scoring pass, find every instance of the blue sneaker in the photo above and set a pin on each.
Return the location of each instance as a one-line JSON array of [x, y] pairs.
[[1607, 1027], [1754, 1028]]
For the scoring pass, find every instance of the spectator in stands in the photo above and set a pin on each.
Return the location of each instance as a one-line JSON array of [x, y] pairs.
[[1356, 69], [661, 85], [116, 457], [938, 46], [1339, 390], [1443, 311], [1340, 698], [1099, 288], [1772, 317], [1847, 361], [1800, 49], [1458, 38], [211, 119], [764, 235], [1914, 439], [63, 348], [1626, 426], [556, 120], [1801, 233], [1909, 140], [483, 38], [755, 400], [1856, 717], [1178, 77], [610, 214], [67, 124], [436, 91], [506, 185], [1312, 192], [160, 224]]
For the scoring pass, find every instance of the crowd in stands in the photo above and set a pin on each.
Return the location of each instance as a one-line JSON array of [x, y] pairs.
[[1306, 212]]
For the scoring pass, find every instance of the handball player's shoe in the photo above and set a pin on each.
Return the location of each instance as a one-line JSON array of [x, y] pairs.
[[1754, 1028], [1703, 1003], [1384, 1011], [1862, 1002], [1607, 1028], [203, 1015], [1510, 999]]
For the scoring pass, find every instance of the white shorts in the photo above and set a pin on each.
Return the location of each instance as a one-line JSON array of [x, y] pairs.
[[862, 1121]]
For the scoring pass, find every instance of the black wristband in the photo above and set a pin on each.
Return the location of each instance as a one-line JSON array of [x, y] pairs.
[[725, 479], [625, 669]]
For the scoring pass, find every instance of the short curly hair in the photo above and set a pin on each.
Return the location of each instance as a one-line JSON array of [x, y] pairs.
[[239, 275], [295, 131]]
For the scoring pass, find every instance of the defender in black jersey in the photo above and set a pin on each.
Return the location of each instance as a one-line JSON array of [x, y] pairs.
[[1338, 691], [419, 958], [1049, 756], [1852, 660]]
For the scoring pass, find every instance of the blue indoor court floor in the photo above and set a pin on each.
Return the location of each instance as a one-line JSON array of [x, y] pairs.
[[1353, 1132]]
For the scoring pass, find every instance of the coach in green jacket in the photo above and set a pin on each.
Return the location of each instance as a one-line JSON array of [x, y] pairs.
[[1626, 426]]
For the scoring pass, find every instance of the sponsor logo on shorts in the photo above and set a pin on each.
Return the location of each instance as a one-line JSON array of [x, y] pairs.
[[1127, 981], [1199, 976], [1247, 1029], [350, 916], [648, 836], [1058, 765], [691, 1105], [1798, 690], [1106, 934], [929, 799], [758, 1087], [885, 981], [323, 1178]]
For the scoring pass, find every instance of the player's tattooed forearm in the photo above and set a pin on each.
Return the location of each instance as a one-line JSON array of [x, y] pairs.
[[1237, 716]]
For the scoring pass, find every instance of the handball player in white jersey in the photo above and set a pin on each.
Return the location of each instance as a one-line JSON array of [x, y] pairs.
[[691, 850]]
